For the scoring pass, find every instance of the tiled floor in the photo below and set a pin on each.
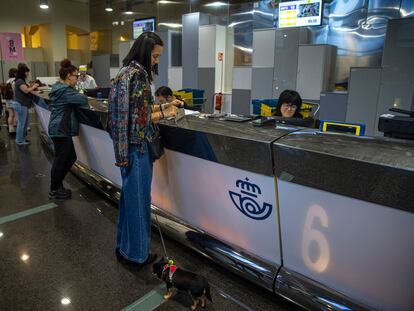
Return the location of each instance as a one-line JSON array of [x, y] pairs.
[[71, 248]]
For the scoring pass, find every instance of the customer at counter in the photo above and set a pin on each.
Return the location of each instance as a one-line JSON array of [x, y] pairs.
[[130, 116], [63, 125], [289, 105], [23, 101]]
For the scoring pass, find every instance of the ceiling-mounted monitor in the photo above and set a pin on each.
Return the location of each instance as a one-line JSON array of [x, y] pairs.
[[143, 25], [300, 13]]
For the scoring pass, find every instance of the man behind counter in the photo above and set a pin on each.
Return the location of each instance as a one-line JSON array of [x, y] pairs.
[[165, 97], [85, 81]]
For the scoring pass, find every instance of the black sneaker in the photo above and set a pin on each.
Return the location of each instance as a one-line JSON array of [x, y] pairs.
[[63, 189], [59, 195]]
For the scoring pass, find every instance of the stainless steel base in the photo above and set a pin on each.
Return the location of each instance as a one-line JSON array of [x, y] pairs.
[[312, 295]]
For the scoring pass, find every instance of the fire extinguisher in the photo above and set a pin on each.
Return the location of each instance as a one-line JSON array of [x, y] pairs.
[[218, 101]]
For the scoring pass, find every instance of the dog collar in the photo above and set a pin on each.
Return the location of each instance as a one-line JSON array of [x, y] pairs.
[[172, 268]]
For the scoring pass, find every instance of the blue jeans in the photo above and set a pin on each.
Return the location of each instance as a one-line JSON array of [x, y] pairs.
[[22, 123], [134, 218]]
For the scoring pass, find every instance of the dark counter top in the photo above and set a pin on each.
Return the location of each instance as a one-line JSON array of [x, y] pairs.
[[371, 169], [239, 145]]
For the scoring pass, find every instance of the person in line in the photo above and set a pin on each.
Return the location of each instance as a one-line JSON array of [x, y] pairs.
[[130, 117], [23, 94], [165, 96], [85, 80], [63, 125], [8, 98], [289, 105]]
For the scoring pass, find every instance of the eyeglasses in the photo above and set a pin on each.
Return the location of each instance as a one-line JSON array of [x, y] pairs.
[[288, 105]]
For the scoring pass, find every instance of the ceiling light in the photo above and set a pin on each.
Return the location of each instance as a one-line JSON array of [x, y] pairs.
[[44, 5], [171, 25], [65, 301], [128, 8], [108, 6], [165, 2], [1, 234], [216, 4], [25, 257]]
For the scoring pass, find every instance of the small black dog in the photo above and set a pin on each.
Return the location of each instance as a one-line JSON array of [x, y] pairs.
[[196, 285]]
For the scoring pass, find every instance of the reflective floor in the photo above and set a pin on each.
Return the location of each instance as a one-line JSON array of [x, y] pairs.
[[62, 258]]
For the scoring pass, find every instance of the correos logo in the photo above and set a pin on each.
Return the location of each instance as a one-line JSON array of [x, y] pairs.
[[248, 200]]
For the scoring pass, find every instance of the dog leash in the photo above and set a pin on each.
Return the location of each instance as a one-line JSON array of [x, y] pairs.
[[162, 239]]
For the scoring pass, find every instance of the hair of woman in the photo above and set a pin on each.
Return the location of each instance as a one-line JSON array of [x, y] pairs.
[[66, 68], [141, 52]]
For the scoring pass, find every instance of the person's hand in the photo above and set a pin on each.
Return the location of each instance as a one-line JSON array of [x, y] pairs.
[[33, 87], [171, 111], [177, 103]]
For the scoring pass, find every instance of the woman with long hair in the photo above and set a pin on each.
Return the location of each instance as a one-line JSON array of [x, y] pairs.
[[131, 113], [63, 125], [24, 100]]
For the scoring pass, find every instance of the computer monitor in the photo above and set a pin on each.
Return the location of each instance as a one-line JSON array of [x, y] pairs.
[[300, 13], [142, 25]]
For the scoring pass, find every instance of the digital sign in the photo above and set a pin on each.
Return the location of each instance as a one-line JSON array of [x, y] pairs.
[[143, 25], [300, 13]]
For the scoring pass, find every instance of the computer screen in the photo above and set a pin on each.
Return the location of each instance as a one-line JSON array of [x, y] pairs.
[[143, 25], [300, 13]]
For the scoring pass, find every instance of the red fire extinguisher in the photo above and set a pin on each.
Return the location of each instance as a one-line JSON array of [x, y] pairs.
[[218, 101]]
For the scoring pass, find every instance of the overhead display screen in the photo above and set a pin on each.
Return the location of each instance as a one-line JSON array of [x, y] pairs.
[[143, 25], [300, 13]]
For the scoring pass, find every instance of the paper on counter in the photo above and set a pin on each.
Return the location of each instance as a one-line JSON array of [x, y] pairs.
[[190, 112]]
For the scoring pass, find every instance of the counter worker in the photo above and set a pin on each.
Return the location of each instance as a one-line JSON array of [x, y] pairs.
[[63, 125], [289, 105], [165, 98], [85, 81], [131, 111]]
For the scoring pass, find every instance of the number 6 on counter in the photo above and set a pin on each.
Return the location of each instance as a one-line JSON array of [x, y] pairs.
[[312, 234]]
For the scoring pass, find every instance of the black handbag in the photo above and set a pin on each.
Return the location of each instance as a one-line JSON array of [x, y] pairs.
[[156, 145]]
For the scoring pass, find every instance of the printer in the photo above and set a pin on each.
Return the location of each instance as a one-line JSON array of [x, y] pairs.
[[397, 126]]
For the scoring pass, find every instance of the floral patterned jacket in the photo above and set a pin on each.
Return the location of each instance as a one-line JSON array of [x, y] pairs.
[[129, 110]]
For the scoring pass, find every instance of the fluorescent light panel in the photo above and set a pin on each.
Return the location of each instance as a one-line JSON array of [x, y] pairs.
[[216, 4], [171, 25]]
